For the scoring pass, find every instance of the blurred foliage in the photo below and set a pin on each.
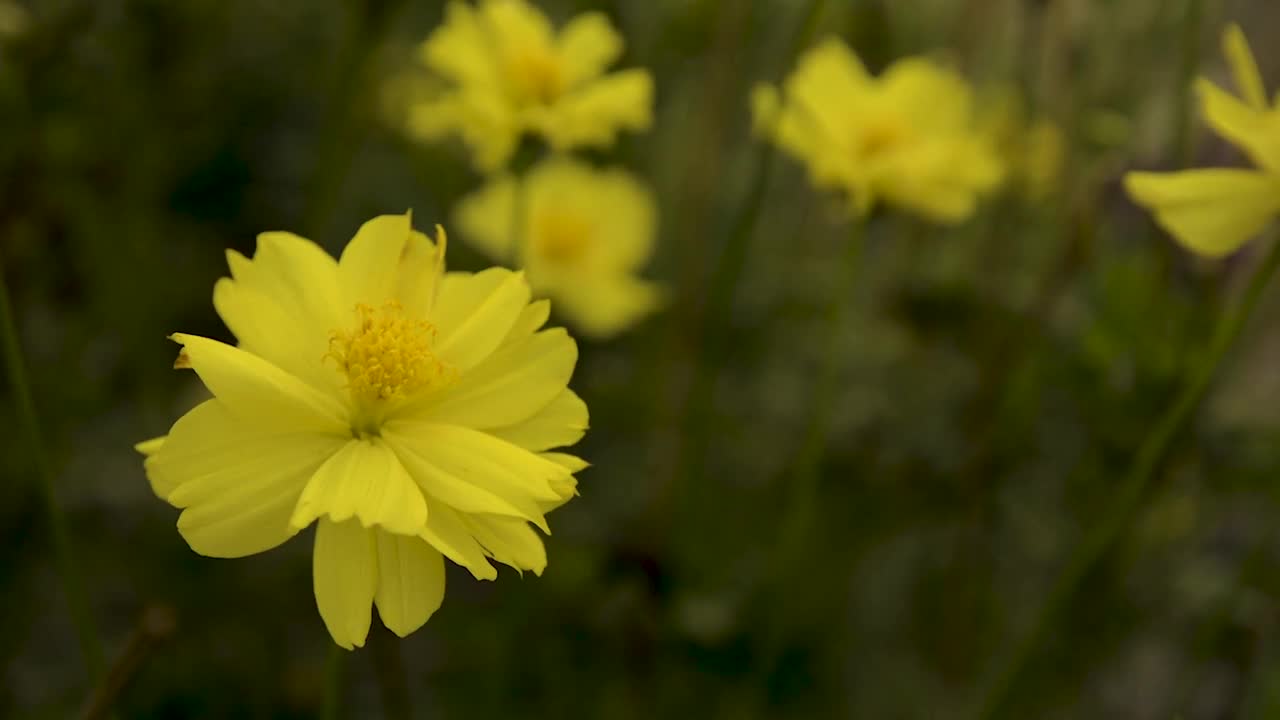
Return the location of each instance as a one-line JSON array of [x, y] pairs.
[[995, 380]]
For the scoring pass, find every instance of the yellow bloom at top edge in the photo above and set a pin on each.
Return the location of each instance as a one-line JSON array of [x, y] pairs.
[[410, 413], [1214, 211], [908, 137], [585, 234], [507, 71]]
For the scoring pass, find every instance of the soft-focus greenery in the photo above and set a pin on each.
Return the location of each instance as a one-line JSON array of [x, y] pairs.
[[994, 380]]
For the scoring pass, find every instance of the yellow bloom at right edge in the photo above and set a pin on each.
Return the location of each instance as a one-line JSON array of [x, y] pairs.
[[1216, 210], [586, 234], [908, 137], [507, 71]]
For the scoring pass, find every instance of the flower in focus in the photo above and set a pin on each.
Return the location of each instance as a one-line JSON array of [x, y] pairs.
[[584, 235], [409, 413], [1214, 211], [506, 71], [908, 137]]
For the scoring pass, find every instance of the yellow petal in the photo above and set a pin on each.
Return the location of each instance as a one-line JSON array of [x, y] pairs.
[[421, 269], [149, 447], [561, 423], [364, 480], [449, 534], [410, 581], [369, 267], [473, 472], [345, 575], [459, 47], [485, 218], [828, 86], [510, 541], [258, 391], [588, 45], [1212, 212], [282, 304], [475, 312], [936, 99], [1257, 132], [1244, 69], [238, 483], [265, 329], [507, 388], [531, 319], [567, 487], [602, 307], [594, 114]]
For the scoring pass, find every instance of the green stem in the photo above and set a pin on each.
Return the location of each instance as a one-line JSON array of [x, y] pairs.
[[64, 553], [1188, 65], [331, 704], [1123, 509], [724, 283]]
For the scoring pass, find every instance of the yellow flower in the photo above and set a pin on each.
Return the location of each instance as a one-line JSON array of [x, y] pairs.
[[908, 137], [586, 233], [408, 412], [1214, 211], [509, 72], [1032, 151]]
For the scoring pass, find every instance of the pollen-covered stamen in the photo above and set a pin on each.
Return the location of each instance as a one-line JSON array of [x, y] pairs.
[[388, 354]]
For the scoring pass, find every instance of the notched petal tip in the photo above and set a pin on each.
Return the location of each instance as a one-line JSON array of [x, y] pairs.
[[183, 361]]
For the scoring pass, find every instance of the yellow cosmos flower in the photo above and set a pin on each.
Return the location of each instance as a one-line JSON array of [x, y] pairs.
[[1214, 211], [586, 233], [908, 137], [409, 413], [509, 72]]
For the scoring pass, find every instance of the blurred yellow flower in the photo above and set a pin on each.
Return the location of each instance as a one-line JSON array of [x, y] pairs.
[[1214, 211], [908, 137], [507, 71], [1032, 151], [408, 412], [585, 234]]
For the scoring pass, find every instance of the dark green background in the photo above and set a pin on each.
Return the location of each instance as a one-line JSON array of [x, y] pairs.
[[994, 381]]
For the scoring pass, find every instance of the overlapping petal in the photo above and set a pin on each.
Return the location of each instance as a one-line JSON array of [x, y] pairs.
[[1212, 212], [344, 573], [410, 581]]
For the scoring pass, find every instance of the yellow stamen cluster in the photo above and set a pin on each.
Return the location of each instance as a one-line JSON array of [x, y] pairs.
[[388, 355], [560, 237]]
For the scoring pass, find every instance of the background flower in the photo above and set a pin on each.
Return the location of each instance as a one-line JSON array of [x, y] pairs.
[[1215, 211], [581, 234], [507, 71], [908, 137]]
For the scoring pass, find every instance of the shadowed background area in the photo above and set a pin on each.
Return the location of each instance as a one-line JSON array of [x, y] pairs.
[[994, 380]]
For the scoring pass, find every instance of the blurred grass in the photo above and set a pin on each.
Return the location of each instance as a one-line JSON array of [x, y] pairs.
[[994, 381]]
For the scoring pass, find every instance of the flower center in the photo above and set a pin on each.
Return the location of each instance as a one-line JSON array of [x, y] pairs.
[[388, 354], [880, 136], [560, 237], [536, 75]]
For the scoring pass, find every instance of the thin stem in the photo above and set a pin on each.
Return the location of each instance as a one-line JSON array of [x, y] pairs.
[[1123, 509], [331, 704], [392, 677], [156, 625], [1188, 65], [724, 281], [64, 553]]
